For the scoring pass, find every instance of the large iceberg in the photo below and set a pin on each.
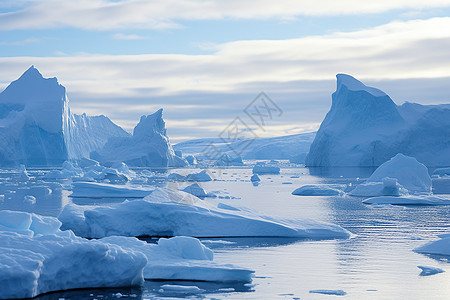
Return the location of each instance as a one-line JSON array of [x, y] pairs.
[[38, 129], [167, 212], [364, 127], [148, 146]]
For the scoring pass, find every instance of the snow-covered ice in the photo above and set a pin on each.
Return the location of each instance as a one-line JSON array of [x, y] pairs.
[[105, 190], [182, 258], [317, 190], [168, 212], [398, 176], [36, 257], [439, 247]]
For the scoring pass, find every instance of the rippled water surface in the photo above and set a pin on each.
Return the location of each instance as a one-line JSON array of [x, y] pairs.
[[377, 263]]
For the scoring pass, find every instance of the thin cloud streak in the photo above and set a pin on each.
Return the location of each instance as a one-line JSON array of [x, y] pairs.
[[142, 14]]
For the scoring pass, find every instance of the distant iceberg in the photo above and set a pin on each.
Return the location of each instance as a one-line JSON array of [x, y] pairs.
[[148, 146], [364, 127]]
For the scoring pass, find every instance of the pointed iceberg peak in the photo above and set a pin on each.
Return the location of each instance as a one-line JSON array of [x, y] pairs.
[[151, 124], [31, 73], [352, 84]]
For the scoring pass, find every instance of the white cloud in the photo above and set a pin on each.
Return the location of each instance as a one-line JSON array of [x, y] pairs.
[[399, 50], [122, 36], [105, 15]]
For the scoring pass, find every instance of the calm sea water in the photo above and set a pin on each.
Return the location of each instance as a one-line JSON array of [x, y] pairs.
[[377, 263]]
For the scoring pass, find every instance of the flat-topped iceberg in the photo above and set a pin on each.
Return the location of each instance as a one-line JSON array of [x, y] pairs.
[[398, 176], [105, 190], [168, 212], [317, 190], [264, 168]]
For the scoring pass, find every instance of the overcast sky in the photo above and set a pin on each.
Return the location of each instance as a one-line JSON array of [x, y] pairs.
[[204, 61]]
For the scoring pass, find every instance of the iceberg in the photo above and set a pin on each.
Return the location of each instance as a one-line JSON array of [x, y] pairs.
[[181, 258], [167, 212], [364, 127], [148, 146], [37, 127], [264, 168], [196, 190], [398, 176]]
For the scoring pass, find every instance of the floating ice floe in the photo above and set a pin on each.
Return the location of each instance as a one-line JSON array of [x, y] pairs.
[[168, 212], [263, 168], [427, 271], [181, 258], [409, 200], [398, 176], [439, 247], [36, 257], [329, 292], [105, 190], [317, 190], [196, 190]]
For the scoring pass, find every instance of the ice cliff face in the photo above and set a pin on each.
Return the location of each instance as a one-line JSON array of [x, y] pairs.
[[148, 147], [38, 129], [364, 127]]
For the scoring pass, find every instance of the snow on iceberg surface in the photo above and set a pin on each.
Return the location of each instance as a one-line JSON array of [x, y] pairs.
[[400, 175], [45, 259], [364, 127], [167, 212], [38, 129], [148, 146]]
